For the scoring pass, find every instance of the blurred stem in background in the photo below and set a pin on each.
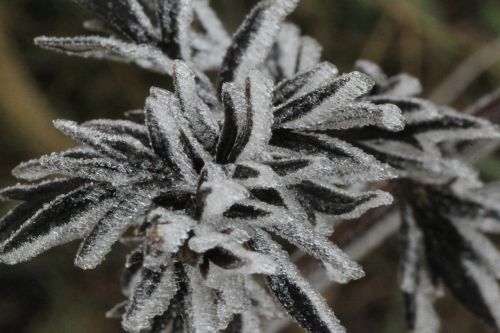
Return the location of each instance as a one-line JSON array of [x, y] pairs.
[[25, 112], [468, 71], [413, 15], [416, 23], [380, 40]]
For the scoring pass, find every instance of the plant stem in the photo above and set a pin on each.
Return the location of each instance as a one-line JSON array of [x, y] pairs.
[[469, 70]]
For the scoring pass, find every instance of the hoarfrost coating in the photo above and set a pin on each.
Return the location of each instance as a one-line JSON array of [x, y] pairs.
[[209, 183]]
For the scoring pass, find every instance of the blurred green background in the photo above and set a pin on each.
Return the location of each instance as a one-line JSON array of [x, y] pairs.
[[430, 39]]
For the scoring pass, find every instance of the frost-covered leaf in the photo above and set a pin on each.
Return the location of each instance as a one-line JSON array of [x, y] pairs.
[[292, 53], [415, 110], [287, 51], [201, 121], [254, 39], [485, 250], [477, 206], [231, 296], [259, 117], [115, 146], [319, 247], [335, 202], [121, 128], [168, 139], [299, 299], [40, 191], [304, 82], [175, 18], [110, 228], [37, 169], [235, 110], [420, 311], [202, 177], [415, 283], [96, 168], [310, 54], [321, 156], [126, 16], [453, 126], [31, 170], [317, 91], [39, 225], [411, 162], [151, 298], [315, 107], [265, 305], [198, 310], [210, 47], [399, 85], [455, 257], [385, 116], [210, 22], [448, 126], [208, 178], [144, 55]]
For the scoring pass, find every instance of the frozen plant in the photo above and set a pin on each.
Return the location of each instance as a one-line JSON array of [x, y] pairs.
[[214, 185], [444, 208]]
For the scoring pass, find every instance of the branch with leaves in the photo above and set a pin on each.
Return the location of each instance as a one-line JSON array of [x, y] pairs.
[[213, 184]]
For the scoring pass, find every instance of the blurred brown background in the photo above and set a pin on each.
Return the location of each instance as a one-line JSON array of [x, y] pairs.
[[428, 38]]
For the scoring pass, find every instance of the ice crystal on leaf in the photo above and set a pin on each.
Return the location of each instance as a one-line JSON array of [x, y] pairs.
[[209, 184]]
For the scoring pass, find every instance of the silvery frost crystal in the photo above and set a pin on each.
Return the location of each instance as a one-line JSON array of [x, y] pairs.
[[210, 183]]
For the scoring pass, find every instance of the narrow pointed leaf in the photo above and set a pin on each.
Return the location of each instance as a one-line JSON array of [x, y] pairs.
[[202, 122], [235, 106], [151, 298], [116, 146], [54, 224], [109, 48], [110, 228], [299, 299], [176, 17], [310, 54], [126, 16], [211, 23], [304, 82], [259, 119], [315, 107], [254, 39], [165, 134]]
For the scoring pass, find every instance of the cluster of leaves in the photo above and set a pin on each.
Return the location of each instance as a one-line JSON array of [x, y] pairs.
[[210, 184]]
